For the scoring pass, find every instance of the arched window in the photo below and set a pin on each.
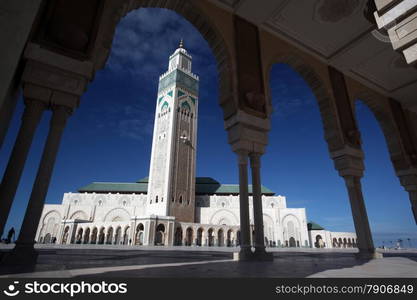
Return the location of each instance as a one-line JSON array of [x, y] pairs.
[[156, 199]]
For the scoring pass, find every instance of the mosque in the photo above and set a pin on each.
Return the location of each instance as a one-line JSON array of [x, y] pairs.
[[172, 207]]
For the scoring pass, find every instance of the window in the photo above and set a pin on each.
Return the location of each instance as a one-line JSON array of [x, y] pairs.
[[180, 199], [156, 199]]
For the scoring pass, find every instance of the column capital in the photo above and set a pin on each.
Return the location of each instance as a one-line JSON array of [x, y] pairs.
[[348, 161]]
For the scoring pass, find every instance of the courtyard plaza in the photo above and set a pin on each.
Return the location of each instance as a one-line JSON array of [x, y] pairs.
[[78, 261]]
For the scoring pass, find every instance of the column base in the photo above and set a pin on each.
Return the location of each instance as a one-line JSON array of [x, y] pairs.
[[261, 255], [21, 255], [248, 255], [245, 254], [367, 255]]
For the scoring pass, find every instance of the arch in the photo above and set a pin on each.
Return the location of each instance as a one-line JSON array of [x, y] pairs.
[[160, 235], [220, 237], [118, 236], [185, 105], [189, 236], [319, 242], [79, 215], [109, 239], [190, 10], [86, 235], [317, 84], [94, 237], [78, 238], [139, 234], [229, 238], [101, 236], [178, 236], [379, 106], [224, 214], [200, 232], [65, 235], [117, 215], [164, 106], [50, 224], [47, 239], [210, 237]]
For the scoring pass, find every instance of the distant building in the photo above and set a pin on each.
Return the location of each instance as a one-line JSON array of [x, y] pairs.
[[172, 206], [320, 238]]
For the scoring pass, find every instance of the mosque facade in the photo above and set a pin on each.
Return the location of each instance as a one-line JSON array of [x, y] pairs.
[[173, 207]]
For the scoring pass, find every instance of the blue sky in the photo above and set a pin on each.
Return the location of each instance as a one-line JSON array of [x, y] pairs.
[[108, 138]]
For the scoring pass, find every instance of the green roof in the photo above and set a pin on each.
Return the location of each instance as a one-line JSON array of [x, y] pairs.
[[204, 185], [314, 226]]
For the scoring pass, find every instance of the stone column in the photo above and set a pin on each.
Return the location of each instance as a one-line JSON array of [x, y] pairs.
[[257, 203], [16, 19], [30, 120], [408, 179], [24, 249], [245, 246], [360, 217]]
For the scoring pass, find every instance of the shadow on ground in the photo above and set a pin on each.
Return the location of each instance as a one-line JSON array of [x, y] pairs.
[[285, 264]]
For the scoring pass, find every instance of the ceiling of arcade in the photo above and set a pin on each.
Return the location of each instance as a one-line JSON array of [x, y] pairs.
[[335, 32]]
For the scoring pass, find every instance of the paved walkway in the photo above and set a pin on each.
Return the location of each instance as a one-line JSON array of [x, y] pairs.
[[122, 261]]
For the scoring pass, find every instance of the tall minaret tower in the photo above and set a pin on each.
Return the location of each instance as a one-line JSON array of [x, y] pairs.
[[171, 188]]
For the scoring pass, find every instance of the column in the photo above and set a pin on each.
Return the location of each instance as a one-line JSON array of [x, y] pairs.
[[245, 247], [257, 203], [30, 120], [17, 18], [408, 179], [360, 217], [33, 213]]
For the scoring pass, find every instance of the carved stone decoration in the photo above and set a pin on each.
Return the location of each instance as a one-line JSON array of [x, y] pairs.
[[331, 11], [344, 109], [409, 157], [249, 68]]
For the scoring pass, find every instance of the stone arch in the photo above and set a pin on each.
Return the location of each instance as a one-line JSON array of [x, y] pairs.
[[269, 230], [189, 235], [79, 215], [199, 240], [117, 215], [86, 235], [160, 235], [50, 224], [321, 90], [178, 236], [109, 233], [380, 108], [224, 214], [94, 236], [191, 11], [286, 222], [101, 235]]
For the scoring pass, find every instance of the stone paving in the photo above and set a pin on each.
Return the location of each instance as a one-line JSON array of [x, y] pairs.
[[123, 261]]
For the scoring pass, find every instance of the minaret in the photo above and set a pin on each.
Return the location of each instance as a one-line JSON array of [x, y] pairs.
[[171, 188]]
